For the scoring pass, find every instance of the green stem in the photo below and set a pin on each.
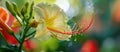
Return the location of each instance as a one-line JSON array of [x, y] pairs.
[[30, 34], [23, 38], [16, 38]]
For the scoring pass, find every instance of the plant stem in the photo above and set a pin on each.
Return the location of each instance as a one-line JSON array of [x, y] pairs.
[[16, 38], [23, 38]]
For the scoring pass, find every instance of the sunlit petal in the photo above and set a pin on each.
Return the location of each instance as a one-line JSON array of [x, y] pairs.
[[53, 18]]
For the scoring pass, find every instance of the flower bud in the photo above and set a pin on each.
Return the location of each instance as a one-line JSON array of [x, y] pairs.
[[33, 23], [5, 27], [10, 8]]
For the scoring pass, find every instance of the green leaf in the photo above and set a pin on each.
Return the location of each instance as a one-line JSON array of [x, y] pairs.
[[2, 40], [10, 8], [4, 44]]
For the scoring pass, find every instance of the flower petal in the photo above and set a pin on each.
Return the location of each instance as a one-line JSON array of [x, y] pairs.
[[42, 32], [54, 18]]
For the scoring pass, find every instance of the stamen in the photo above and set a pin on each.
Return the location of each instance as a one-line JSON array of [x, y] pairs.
[[76, 30]]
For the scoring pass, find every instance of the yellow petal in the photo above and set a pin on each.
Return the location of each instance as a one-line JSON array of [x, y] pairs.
[[54, 18], [41, 31]]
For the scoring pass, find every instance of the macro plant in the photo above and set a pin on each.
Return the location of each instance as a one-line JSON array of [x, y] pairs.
[[22, 20], [40, 21]]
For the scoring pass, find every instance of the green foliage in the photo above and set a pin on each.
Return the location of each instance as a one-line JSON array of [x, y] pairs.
[[46, 1], [4, 46], [49, 45], [23, 16], [2, 40], [19, 3]]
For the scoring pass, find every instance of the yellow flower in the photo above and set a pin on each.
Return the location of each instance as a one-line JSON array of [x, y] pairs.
[[52, 21]]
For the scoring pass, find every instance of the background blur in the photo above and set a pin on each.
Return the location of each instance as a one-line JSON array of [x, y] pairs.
[[102, 36]]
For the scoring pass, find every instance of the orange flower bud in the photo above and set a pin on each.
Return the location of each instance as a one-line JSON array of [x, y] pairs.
[[5, 27]]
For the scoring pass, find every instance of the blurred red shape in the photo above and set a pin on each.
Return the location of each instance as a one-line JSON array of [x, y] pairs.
[[29, 44], [90, 46]]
